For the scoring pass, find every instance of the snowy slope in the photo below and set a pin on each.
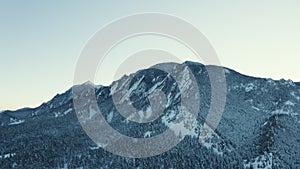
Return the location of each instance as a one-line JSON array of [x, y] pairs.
[[260, 114]]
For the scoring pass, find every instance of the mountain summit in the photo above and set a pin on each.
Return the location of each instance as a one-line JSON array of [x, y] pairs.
[[259, 127]]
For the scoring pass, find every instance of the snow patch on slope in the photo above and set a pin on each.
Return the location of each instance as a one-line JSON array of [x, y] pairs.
[[212, 141], [260, 162], [253, 107], [226, 71], [15, 121], [8, 155], [147, 134], [59, 114], [110, 116], [289, 103], [95, 148], [184, 124], [249, 87], [295, 96]]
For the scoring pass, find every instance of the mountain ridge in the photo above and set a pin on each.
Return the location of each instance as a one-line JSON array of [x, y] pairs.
[[187, 62], [259, 115]]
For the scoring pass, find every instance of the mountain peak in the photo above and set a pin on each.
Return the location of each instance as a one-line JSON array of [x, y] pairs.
[[88, 83]]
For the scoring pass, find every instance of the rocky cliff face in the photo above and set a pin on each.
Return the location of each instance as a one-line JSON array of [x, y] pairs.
[[259, 127]]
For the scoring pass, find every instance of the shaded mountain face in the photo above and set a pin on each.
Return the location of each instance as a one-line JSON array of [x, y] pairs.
[[259, 127]]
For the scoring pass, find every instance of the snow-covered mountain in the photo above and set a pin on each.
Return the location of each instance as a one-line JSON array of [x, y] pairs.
[[259, 128]]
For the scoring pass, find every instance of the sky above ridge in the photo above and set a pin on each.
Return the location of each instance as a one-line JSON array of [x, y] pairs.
[[40, 41]]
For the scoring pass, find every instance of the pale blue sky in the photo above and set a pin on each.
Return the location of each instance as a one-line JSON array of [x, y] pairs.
[[40, 41]]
